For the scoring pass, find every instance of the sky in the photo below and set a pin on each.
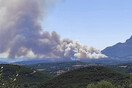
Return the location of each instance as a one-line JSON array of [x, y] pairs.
[[97, 23]]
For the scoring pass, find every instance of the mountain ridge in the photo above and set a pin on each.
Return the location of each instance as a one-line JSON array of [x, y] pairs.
[[120, 50]]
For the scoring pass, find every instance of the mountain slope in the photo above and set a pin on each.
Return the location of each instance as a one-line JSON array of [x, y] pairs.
[[21, 76], [120, 50], [80, 78]]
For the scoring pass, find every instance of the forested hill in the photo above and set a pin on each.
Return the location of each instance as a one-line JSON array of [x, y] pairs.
[[80, 78], [14, 76]]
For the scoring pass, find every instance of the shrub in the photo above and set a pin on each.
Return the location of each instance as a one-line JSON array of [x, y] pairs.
[[102, 84]]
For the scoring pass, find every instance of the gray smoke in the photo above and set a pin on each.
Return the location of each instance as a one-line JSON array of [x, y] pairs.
[[21, 34]]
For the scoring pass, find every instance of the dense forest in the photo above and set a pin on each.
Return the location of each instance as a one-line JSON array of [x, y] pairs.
[[16, 76]]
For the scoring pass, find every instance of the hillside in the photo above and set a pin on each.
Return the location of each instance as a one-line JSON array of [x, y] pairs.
[[60, 67], [20, 76], [80, 78], [120, 50], [125, 68]]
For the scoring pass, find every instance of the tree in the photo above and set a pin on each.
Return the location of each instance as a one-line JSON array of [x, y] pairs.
[[11, 82], [101, 84]]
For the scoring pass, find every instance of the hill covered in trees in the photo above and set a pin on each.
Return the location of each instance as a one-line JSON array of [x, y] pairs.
[[80, 78], [125, 68], [60, 67], [14, 76]]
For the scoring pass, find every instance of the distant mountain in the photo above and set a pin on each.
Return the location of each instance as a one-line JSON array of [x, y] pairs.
[[80, 78], [2, 62], [37, 61], [32, 61], [120, 50], [14, 76]]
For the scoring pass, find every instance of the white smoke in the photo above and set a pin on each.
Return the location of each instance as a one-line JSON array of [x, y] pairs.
[[21, 34]]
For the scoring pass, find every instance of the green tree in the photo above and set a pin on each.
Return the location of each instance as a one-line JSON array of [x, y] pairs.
[[10, 83], [92, 86], [102, 84]]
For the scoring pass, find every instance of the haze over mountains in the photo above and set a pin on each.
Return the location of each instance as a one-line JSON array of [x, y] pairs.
[[119, 53], [120, 50]]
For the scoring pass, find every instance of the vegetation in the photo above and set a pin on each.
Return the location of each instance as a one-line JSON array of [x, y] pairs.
[[14, 76], [103, 84], [53, 68], [80, 78], [125, 68]]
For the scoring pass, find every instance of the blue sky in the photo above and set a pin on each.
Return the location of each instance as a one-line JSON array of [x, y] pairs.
[[98, 23]]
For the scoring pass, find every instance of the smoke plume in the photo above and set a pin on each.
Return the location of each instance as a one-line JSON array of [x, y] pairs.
[[21, 34]]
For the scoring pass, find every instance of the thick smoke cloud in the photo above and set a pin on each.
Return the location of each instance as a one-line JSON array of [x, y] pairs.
[[21, 34]]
